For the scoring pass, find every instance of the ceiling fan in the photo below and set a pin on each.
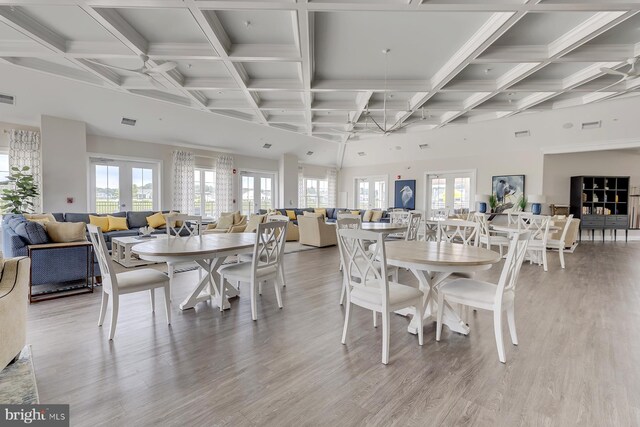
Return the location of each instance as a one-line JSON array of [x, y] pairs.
[[144, 71], [629, 75]]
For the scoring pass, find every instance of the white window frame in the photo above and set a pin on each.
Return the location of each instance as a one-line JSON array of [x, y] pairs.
[[370, 178], [273, 174], [155, 164], [202, 171], [318, 179], [472, 186]]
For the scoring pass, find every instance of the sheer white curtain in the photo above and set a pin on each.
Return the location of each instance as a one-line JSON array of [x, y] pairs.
[[224, 185], [332, 184], [302, 203], [24, 150], [183, 181]]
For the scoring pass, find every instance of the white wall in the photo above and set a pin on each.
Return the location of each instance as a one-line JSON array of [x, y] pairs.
[[288, 181], [559, 168], [64, 164]]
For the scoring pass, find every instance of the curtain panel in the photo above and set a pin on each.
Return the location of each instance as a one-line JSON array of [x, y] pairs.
[[183, 181], [24, 150], [224, 185], [302, 203]]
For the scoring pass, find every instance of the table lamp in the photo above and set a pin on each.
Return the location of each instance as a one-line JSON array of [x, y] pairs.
[[536, 201], [482, 200]]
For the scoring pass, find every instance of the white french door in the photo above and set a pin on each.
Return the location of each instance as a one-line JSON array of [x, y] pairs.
[[257, 191], [452, 191], [118, 185], [371, 192]]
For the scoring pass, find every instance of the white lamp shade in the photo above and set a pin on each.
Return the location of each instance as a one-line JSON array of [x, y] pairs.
[[536, 198], [482, 198]]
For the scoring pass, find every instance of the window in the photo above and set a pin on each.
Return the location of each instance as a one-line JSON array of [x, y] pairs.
[[371, 192], [316, 193], [205, 192], [119, 185]]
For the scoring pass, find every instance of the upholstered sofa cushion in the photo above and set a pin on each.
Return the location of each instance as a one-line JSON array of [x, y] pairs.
[[254, 220], [78, 217], [65, 232], [32, 232], [138, 219]]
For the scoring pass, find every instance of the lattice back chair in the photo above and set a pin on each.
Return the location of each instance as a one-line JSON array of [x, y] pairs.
[[399, 217], [514, 218], [413, 226], [440, 213], [538, 225], [373, 291], [345, 222], [265, 263], [275, 218], [345, 215], [116, 284], [458, 231], [488, 296], [485, 234], [182, 225], [560, 244]]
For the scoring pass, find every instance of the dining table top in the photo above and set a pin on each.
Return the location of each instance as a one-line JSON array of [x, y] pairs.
[[384, 227], [207, 244], [439, 253], [514, 228]]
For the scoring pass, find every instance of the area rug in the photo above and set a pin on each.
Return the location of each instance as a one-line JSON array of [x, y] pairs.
[[18, 381]]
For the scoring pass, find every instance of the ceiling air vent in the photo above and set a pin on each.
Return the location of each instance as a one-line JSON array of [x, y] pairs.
[[361, 153], [309, 153], [591, 125], [267, 146], [522, 134], [128, 122], [7, 99]]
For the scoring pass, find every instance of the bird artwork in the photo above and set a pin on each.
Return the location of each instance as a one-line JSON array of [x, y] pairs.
[[407, 195], [503, 190], [507, 189]]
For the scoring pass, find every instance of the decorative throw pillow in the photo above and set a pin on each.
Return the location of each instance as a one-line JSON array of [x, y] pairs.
[[156, 220], [117, 223], [33, 232], [41, 218], [291, 214], [322, 211], [65, 232], [367, 216], [100, 221], [254, 220], [225, 222], [376, 216], [355, 212]]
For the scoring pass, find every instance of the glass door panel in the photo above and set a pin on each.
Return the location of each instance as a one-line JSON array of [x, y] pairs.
[[257, 192], [107, 189], [121, 186], [449, 191]]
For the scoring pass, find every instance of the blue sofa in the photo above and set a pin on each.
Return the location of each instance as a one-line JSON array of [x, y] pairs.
[[60, 265]]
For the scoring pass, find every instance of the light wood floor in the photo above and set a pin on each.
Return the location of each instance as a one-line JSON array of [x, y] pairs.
[[578, 362]]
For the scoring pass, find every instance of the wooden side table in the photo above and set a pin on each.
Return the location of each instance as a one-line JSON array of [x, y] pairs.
[[67, 291]]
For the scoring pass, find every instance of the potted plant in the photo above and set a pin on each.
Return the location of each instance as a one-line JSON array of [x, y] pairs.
[[18, 198], [522, 203], [493, 202]]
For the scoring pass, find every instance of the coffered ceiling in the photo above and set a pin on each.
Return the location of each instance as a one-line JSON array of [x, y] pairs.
[[316, 67]]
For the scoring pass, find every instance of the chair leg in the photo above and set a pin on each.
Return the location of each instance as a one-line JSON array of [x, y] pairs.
[[281, 267], [170, 273], [343, 292], [439, 316], [420, 314], [167, 303], [103, 307], [277, 283], [260, 287], [561, 253], [511, 320], [386, 333], [375, 319], [114, 317], [497, 328], [254, 310], [544, 259], [223, 290], [152, 295], [346, 322]]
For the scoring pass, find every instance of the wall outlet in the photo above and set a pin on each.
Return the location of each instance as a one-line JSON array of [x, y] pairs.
[[69, 200]]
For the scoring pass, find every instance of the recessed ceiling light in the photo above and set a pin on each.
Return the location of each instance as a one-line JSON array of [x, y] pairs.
[[309, 153], [267, 146], [522, 134], [423, 146], [128, 122], [591, 125], [361, 153]]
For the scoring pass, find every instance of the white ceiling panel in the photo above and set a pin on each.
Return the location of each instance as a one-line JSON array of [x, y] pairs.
[[271, 70], [164, 25], [257, 27], [542, 28], [70, 22]]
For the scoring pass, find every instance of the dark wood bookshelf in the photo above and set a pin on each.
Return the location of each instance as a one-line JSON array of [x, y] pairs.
[[601, 203]]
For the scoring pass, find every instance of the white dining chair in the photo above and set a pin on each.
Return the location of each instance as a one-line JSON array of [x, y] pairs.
[[514, 218], [559, 244], [374, 291], [488, 237], [488, 296], [265, 263], [413, 226], [538, 225], [182, 225], [443, 213], [116, 284], [458, 231]]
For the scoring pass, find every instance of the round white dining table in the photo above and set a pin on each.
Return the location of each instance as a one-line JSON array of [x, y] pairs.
[[433, 262], [384, 227], [209, 251]]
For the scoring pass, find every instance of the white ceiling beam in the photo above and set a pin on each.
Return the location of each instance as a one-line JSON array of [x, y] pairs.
[[375, 85], [516, 54], [264, 52], [215, 34], [303, 24]]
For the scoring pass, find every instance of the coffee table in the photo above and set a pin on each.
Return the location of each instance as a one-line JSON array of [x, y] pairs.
[[121, 250]]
